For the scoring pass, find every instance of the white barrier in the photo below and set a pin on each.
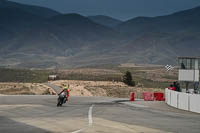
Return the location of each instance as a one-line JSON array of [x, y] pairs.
[[195, 103], [184, 101], [174, 101]]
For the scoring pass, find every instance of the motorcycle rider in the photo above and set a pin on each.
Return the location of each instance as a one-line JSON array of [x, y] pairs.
[[65, 93]]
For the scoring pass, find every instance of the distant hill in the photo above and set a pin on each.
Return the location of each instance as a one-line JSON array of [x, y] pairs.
[[105, 20], [36, 37], [161, 39], [29, 40], [81, 26], [183, 20], [36, 10]]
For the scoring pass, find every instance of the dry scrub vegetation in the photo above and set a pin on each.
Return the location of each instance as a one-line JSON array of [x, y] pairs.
[[103, 88], [25, 89], [90, 74], [92, 81], [106, 82]]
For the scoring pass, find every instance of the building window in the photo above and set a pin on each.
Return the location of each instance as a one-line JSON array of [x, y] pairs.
[[199, 63], [193, 64], [187, 63]]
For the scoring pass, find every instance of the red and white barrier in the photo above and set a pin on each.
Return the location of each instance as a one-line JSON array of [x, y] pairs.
[[148, 96]]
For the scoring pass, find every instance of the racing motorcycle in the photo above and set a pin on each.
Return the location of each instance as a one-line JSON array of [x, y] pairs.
[[61, 99]]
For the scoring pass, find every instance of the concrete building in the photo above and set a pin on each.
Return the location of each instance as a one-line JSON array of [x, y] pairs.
[[188, 72]]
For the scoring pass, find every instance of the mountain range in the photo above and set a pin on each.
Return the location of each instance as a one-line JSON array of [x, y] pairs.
[[37, 37], [105, 20]]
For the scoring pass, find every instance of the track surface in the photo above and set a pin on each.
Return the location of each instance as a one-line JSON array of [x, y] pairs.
[[39, 114]]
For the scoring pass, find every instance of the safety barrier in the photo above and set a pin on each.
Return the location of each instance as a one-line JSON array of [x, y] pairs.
[[158, 96], [184, 101], [148, 96], [132, 96]]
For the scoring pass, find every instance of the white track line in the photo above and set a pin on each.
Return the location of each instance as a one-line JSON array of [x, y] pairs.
[[77, 131], [90, 120], [90, 116], [135, 105]]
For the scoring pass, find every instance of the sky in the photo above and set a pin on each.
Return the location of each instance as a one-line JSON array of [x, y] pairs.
[[120, 9]]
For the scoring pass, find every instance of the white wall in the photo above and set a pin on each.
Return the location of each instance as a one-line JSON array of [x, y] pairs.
[[184, 101], [188, 75], [174, 99], [195, 103]]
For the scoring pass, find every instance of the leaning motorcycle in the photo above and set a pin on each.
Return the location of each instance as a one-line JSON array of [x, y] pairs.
[[61, 99]]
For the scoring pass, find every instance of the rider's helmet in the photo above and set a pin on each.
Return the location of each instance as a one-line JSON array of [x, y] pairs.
[[65, 87]]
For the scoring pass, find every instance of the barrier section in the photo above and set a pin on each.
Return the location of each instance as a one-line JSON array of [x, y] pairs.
[[148, 96], [183, 101], [194, 103], [174, 99], [168, 97], [132, 96], [158, 96]]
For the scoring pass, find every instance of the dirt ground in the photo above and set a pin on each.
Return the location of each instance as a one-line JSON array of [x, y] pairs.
[[158, 74], [103, 88], [77, 88], [25, 89]]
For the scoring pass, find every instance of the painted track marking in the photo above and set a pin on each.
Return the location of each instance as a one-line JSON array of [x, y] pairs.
[[90, 120], [78, 131], [135, 105]]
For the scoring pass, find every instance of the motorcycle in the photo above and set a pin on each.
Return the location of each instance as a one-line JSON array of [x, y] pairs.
[[61, 100]]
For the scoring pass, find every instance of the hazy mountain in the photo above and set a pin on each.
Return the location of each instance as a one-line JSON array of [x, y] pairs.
[[36, 10], [82, 27], [161, 39], [29, 39], [184, 20], [105, 20]]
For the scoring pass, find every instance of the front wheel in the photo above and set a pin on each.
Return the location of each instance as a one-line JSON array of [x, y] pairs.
[[59, 102]]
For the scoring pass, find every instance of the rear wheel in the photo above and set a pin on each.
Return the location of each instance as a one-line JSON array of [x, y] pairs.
[[59, 102]]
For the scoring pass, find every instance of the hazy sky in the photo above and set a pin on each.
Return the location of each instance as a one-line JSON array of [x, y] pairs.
[[122, 9]]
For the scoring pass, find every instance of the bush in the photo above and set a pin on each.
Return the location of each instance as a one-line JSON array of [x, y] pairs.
[[127, 79]]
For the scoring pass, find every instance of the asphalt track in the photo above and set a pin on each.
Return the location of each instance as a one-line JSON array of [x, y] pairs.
[[39, 114]]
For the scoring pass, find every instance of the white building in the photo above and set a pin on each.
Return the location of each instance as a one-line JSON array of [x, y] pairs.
[[189, 71]]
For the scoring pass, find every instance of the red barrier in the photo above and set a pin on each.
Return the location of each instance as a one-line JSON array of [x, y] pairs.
[[148, 96], [132, 96], [158, 96]]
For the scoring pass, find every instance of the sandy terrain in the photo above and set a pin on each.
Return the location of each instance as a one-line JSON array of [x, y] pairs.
[[103, 88], [25, 88], [158, 74], [78, 88]]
